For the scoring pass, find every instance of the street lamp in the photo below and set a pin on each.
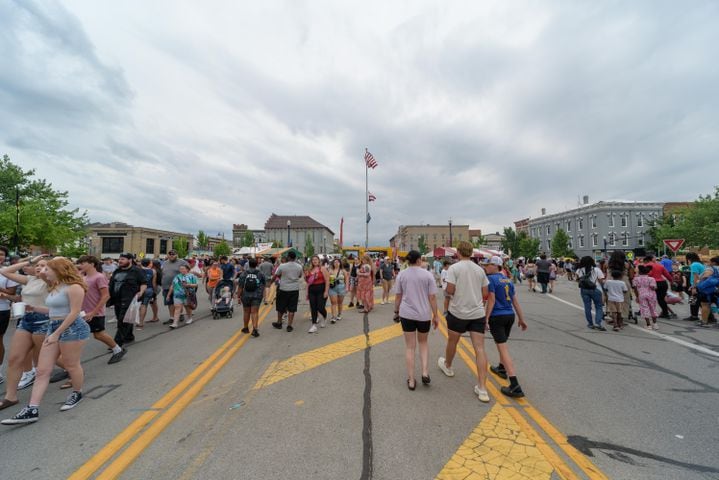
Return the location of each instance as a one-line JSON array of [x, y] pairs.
[[605, 245], [289, 240], [450, 232], [324, 244]]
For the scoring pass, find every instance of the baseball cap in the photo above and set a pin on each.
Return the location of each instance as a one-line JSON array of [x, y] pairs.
[[172, 252], [129, 256], [495, 261]]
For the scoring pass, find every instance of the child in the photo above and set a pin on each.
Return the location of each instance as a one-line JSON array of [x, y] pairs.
[[615, 298], [225, 296], [645, 289]]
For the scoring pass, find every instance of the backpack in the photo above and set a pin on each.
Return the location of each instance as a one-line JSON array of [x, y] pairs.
[[252, 282], [585, 281], [708, 286]]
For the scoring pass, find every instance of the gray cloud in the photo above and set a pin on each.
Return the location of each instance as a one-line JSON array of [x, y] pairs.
[[485, 113]]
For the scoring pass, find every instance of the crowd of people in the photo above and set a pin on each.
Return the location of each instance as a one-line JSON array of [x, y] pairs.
[[59, 304]]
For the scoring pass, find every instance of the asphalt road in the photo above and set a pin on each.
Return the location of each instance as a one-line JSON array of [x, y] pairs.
[[629, 405]]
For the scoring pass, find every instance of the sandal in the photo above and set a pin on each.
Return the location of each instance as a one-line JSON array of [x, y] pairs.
[[153, 320], [7, 403], [425, 380], [66, 385], [411, 387]]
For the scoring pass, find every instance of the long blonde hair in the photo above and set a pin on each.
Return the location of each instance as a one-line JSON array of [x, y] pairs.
[[368, 260], [66, 273]]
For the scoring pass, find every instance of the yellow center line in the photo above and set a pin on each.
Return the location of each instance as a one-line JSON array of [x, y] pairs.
[[117, 443], [559, 439]]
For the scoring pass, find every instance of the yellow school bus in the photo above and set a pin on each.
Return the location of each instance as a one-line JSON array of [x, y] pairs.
[[374, 252]]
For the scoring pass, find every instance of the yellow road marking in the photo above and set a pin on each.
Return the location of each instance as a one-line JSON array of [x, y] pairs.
[[278, 371], [117, 443], [498, 449]]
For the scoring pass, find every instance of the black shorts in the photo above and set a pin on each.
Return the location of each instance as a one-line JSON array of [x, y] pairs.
[[461, 326], [97, 324], [415, 325], [500, 326], [167, 302], [287, 301], [248, 302], [4, 321]]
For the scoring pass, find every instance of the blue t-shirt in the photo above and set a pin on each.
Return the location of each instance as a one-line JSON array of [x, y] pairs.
[[228, 271], [698, 269], [503, 290], [667, 263]]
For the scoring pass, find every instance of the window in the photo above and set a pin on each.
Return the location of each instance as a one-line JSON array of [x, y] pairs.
[[163, 246], [580, 224], [569, 225], [611, 220], [549, 229], [581, 241], [569, 244], [549, 244], [594, 222], [595, 239], [612, 239], [640, 220], [640, 240], [460, 236], [625, 239], [624, 220], [113, 244], [150, 246]]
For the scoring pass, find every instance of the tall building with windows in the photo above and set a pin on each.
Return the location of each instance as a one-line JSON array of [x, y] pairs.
[[112, 239], [407, 237], [598, 228], [299, 228]]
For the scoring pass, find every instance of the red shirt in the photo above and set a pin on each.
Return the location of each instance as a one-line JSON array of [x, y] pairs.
[[658, 272]]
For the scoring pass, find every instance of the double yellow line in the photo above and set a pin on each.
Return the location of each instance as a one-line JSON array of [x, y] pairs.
[[164, 409], [466, 352]]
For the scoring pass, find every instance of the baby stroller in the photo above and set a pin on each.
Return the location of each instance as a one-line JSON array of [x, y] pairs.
[[222, 299]]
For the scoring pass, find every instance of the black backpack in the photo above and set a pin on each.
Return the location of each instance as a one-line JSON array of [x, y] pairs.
[[252, 282], [585, 281]]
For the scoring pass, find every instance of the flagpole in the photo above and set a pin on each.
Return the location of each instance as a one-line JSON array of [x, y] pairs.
[[366, 204]]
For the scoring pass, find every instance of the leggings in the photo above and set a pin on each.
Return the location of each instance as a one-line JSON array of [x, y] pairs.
[[662, 288], [316, 294]]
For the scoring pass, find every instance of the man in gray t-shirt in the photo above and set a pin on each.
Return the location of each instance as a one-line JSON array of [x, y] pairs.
[[543, 267], [266, 268], [288, 294], [170, 269]]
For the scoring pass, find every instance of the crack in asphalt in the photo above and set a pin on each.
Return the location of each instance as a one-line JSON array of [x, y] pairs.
[[367, 409]]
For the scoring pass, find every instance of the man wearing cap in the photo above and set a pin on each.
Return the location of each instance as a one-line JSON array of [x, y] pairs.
[[170, 269], [127, 283], [501, 307]]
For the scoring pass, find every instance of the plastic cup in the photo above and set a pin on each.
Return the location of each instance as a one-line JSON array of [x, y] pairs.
[[18, 309]]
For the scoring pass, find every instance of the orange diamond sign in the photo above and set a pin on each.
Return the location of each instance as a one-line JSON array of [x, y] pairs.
[[674, 244]]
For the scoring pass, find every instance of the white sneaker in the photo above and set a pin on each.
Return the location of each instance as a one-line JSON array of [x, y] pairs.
[[323, 323], [655, 326], [648, 327], [313, 328], [27, 379], [112, 320], [333, 320], [481, 394], [339, 318], [189, 321], [382, 302], [443, 366]]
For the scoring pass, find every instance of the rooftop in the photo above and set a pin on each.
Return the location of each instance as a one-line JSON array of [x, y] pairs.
[[301, 222]]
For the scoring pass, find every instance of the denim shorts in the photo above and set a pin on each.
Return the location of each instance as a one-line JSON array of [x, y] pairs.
[[148, 297], [78, 330], [34, 323], [338, 291]]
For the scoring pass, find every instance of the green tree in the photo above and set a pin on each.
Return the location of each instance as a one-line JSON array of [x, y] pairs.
[[479, 241], [697, 224], [75, 249], [422, 245], [528, 247], [44, 219], [560, 244], [202, 240], [276, 244], [181, 245], [248, 239], [510, 242], [222, 248], [309, 246]]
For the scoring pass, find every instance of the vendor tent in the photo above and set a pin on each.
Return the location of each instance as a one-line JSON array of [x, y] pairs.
[[441, 252]]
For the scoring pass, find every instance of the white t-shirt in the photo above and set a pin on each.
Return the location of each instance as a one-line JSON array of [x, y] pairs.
[[468, 279], [615, 290], [595, 276], [443, 279], [5, 283]]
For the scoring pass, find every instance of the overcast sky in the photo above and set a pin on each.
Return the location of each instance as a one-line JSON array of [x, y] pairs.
[[197, 115]]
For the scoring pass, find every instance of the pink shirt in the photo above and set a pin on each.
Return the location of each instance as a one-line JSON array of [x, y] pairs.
[[645, 285], [95, 283]]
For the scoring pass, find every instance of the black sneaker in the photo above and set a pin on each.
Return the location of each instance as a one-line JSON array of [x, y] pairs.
[[72, 401], [289, 328], [277, 325], [500, 372], [359, 307], [600, 328], [515, 391], [59, 376], [255, 333], [351, 305], [245, 330], [691, 319], [116, 357], [26, 415]]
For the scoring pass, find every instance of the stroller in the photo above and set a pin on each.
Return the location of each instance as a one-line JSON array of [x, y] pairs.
[[222, 299]]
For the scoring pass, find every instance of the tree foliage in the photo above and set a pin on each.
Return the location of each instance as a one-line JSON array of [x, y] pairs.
[[697, 224], [510, 242], [203, 240], [276, 244], [422, 245], [560, 244], [44, 219], [248, 239], [309, 246], [222, 248], [528, 246], [181, 245]]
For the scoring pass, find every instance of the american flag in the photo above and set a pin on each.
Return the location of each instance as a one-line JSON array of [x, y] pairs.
[[369, 159], [372, 198]]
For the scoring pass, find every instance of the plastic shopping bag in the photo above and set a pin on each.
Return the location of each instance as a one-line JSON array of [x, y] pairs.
[[133, 312]]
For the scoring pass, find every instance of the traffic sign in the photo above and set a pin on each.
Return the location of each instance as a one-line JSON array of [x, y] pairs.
[[674, 244], [630, 256]]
